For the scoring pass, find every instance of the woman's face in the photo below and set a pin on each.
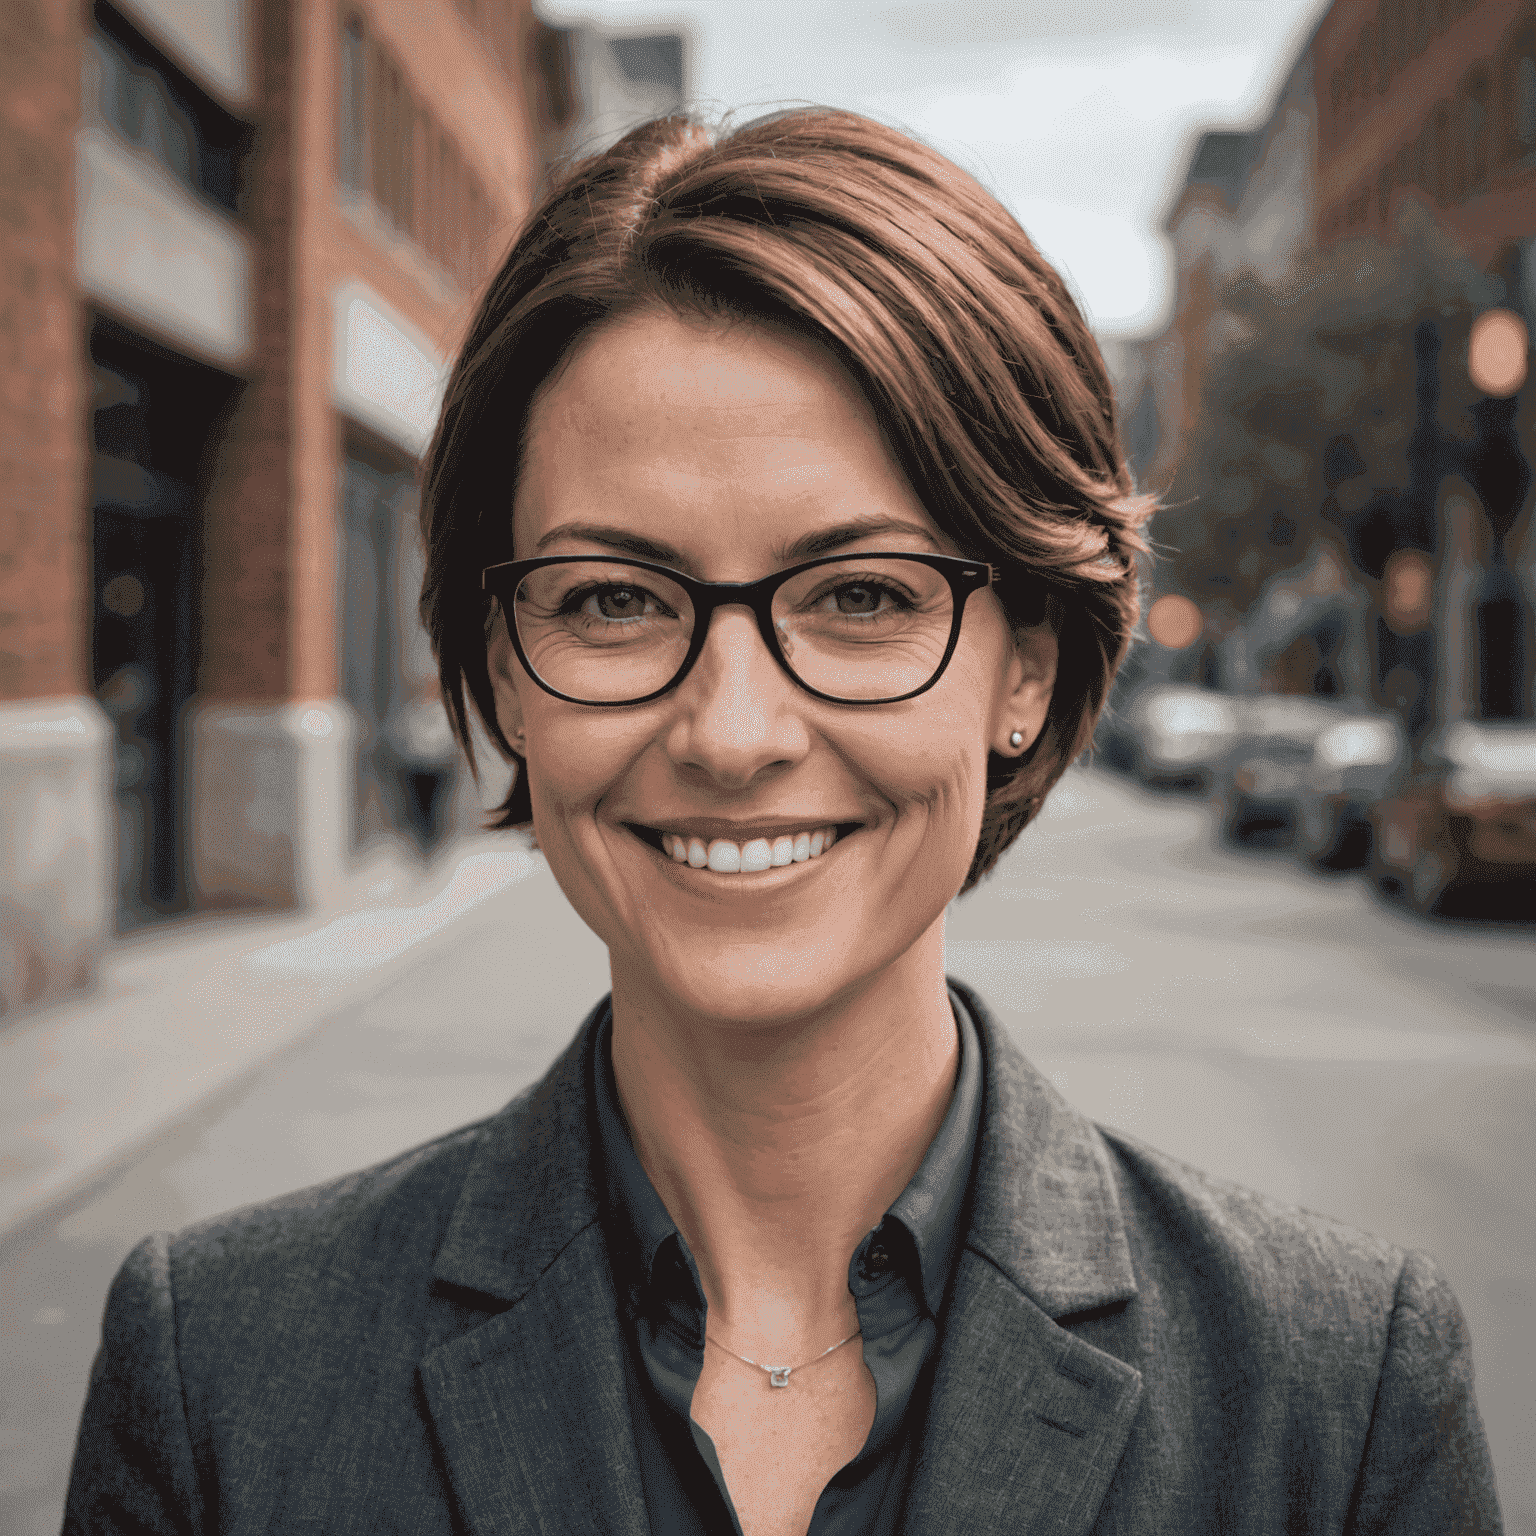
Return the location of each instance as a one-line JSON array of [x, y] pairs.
[[721, 446]]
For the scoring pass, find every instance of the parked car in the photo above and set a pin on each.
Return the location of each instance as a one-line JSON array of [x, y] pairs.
[[1262, 776], [1456, 834], [1181, 734], [1354, 762]]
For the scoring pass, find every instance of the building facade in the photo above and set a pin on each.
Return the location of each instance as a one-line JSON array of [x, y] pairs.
[[1246, 202], [1351, 242], [1429, 109], [243, 239], [1434, 98]]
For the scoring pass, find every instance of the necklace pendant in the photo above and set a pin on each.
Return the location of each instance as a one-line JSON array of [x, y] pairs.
[[778, 1375]]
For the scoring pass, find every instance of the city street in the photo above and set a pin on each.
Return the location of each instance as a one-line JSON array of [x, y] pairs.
[[1275, 1027]]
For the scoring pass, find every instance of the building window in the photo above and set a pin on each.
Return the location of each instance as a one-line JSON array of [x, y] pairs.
[[395, 153], [354, 96], [553, 67], [135, 103], [394, 145], [652, 59], [133, 90]]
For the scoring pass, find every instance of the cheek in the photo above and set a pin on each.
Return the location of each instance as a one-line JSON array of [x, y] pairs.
[[572, 766], [574, 759], [931, 758]]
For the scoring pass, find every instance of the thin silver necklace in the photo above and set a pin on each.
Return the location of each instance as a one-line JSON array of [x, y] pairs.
[[778, 1375]]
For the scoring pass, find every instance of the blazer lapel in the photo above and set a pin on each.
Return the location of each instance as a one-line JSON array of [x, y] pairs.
[[531, 1407], [1027, 1422], [533, 1412]]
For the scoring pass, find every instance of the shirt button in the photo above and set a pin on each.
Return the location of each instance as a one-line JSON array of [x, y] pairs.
[[877, 1262]]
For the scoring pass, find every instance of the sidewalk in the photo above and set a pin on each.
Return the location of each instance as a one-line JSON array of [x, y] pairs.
[[181, 1015]]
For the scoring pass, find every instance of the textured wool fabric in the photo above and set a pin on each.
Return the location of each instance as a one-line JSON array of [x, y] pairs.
[[662, 1306], [433, 1346]]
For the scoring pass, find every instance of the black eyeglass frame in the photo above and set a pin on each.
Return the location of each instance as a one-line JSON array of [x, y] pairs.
[[964, 577]]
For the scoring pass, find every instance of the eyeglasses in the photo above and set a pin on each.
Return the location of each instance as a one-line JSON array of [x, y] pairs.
[[851, 629]]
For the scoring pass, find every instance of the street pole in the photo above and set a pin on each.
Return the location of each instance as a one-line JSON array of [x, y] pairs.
[[1494, 465], [1494, 462]]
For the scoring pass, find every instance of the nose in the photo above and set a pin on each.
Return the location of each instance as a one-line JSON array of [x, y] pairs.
[[737, 713]]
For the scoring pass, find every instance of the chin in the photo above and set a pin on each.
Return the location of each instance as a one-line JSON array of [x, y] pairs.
[[764, 984], [777, 981]]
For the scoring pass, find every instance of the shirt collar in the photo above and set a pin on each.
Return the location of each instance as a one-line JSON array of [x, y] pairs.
[[929, 1208], [643, 1219]]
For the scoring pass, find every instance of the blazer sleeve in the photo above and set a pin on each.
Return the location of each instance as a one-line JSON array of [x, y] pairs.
[[134, 1468], [1426, 1467]]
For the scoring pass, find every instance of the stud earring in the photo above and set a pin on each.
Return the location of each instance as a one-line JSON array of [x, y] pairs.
[[1016, 740]]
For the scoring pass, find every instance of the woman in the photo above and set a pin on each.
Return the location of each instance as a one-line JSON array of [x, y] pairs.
[[778, 526]]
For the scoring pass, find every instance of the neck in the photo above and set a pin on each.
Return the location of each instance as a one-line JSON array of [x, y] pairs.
[[776, 1149]]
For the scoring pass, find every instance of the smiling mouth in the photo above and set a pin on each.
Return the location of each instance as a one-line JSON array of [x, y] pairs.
[[751, 856]]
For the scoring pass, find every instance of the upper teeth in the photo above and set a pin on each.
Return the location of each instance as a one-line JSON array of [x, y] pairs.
[[730, 858]]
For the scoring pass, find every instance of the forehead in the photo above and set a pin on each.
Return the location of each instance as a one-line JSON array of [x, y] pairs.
[[713, 437]]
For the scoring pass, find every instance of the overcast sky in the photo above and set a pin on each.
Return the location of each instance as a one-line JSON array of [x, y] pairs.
[[1078, 114]]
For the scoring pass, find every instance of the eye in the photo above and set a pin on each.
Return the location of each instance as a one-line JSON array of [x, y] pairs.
[[862, 599], [615, 602], [858, 598]]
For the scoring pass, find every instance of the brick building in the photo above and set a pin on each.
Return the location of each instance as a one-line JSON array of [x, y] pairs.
[[1435, 98], [1245, 203], [1433, 102], [1396, 172], [241, 240]]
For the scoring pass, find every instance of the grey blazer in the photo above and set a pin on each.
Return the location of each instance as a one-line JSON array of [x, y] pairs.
[[433, 1345]]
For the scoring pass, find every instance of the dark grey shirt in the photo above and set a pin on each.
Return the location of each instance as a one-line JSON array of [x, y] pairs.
[[898, 1276]]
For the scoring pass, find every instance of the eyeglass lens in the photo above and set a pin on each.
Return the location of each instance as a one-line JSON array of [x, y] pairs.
[[858, 629]]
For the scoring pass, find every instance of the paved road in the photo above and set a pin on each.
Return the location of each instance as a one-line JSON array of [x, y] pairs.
[[1271, 1026]]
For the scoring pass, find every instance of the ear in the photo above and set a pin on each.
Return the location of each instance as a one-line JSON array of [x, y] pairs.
[[1024, 698], [507, 680]]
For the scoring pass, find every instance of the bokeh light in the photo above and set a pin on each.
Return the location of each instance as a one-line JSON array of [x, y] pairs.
[[1409, 582], [1496, 352], [1175, 622]]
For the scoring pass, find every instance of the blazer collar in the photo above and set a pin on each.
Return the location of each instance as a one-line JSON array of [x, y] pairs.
[[530, 1188], [1027, 1422], [1045, 1210], [532, 1406]]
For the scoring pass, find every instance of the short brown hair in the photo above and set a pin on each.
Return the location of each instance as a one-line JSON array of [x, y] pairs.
[[978, 366]]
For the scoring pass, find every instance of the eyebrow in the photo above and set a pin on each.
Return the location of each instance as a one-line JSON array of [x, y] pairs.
[[821, 541]]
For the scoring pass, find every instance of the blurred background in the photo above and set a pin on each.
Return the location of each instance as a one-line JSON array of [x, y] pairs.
[[251, 931]]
